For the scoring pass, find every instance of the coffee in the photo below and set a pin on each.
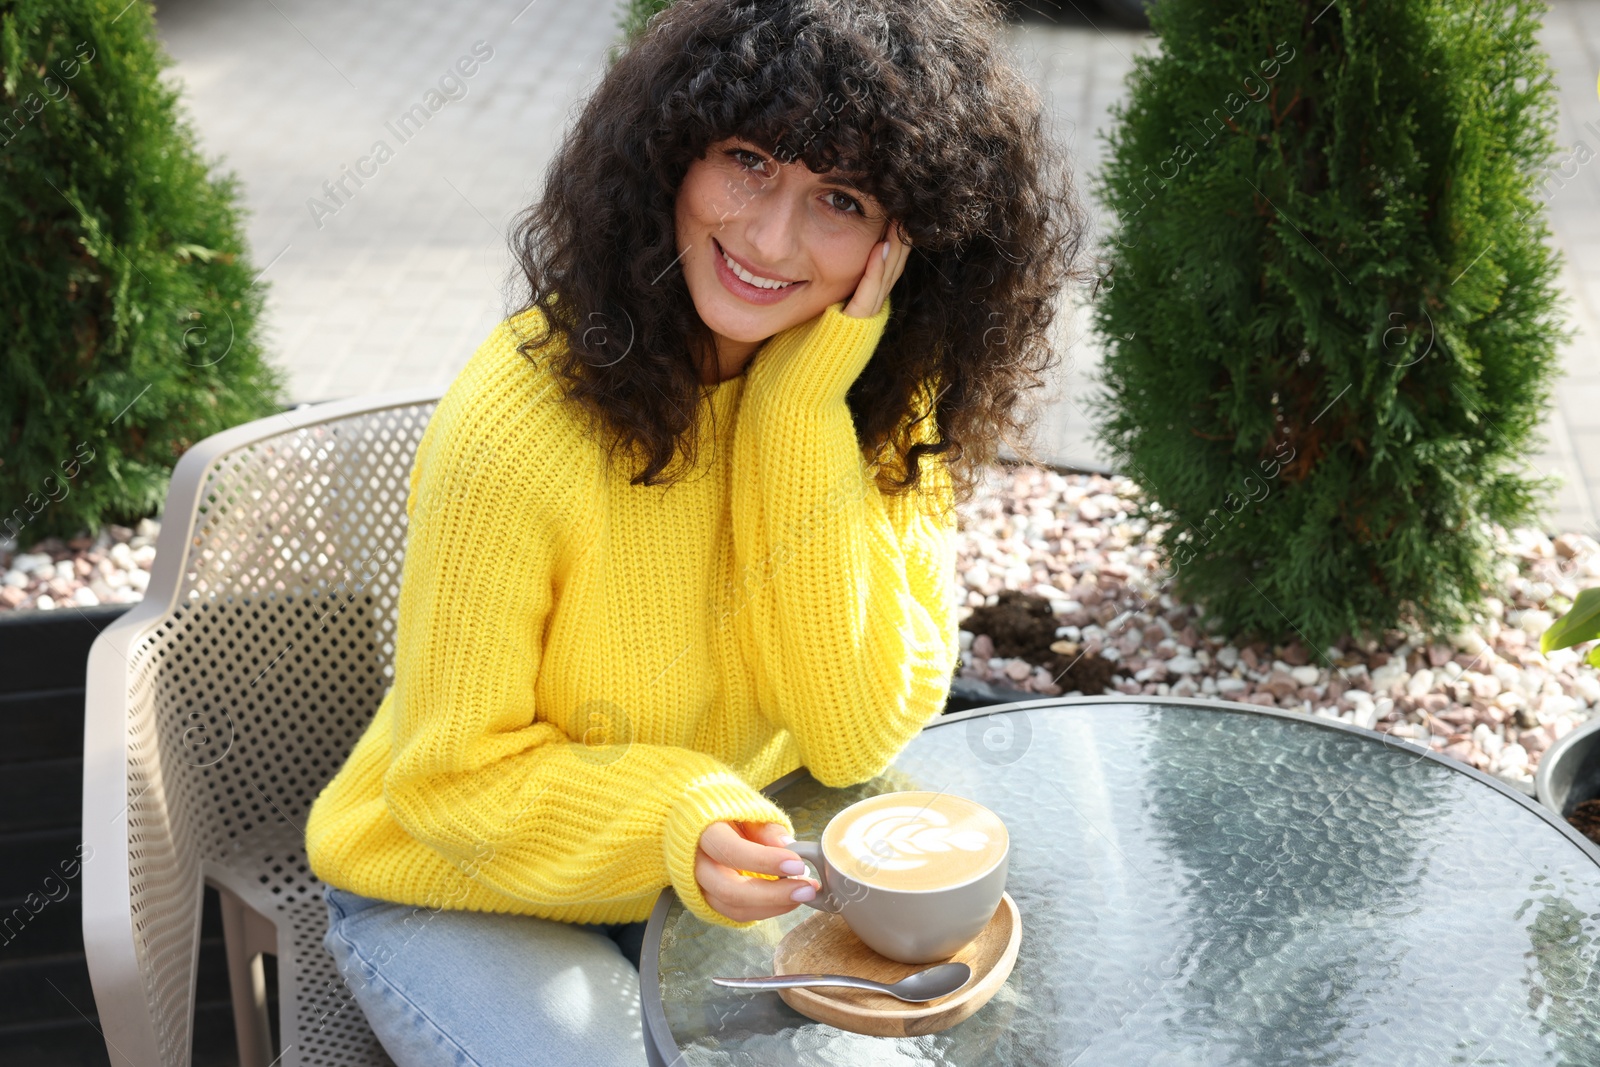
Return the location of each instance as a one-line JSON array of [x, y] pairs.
[[915, 840]]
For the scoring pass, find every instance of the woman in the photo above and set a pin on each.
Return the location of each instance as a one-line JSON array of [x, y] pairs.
[[684, 523]]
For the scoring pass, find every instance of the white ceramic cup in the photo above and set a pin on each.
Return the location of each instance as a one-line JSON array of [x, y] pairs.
[[908, 925]]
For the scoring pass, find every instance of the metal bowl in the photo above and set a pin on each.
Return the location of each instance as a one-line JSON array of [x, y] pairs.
[[1569, 773]]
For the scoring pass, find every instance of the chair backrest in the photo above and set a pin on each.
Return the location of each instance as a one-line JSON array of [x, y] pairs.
[[220, 706]]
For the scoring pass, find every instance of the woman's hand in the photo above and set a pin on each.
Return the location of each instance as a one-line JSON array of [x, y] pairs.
[[884, 264], [729, 848]]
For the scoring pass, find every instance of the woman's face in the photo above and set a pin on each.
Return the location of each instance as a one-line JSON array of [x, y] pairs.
[[778, 223]]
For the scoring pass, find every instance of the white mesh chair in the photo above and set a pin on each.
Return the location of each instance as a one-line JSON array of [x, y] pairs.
[[219, 707]]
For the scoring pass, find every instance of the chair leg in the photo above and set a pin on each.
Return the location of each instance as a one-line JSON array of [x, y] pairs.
[[243, 933]]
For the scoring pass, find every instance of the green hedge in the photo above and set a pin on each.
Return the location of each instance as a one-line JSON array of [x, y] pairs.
[[1329, 312], [126, 290]]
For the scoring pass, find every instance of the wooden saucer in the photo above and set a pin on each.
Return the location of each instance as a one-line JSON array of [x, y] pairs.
[[824, 944]]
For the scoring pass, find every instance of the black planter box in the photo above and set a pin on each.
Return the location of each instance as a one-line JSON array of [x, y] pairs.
[[969, 693], [44, 658]]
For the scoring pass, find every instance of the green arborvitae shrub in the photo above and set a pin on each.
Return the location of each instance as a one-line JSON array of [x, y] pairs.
[[126, 294], [634, 15], [1329, 312]]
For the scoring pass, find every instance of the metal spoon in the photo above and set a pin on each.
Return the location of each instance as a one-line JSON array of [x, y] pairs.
[[928, 984]]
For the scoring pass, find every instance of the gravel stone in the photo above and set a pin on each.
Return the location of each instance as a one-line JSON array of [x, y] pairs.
[[1484, 694]]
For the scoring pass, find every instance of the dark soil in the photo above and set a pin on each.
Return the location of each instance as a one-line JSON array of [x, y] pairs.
[[1021, 624], [1586, 817]]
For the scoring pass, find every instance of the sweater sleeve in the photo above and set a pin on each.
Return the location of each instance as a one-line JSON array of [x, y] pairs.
[[476, 773], [842, 599]]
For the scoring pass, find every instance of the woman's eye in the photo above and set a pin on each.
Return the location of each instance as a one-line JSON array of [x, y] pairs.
[[844, 203], [748, 159]]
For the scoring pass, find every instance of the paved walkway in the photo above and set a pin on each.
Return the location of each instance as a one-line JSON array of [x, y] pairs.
[[388, 264]]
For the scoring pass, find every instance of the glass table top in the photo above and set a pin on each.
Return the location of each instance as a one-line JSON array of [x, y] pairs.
[[1205, 886]]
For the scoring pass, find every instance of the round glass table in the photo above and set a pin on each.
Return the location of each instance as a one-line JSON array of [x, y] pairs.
[[1203, 884]]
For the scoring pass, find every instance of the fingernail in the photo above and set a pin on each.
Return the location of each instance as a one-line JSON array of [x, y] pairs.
[[885, 251], [803, 894], [785, 839], [792, 867]]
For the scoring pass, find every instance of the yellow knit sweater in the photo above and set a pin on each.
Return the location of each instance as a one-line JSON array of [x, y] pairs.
[[589, 673]]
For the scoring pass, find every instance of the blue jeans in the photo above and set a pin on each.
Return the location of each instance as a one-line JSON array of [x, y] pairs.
[[472, 989]]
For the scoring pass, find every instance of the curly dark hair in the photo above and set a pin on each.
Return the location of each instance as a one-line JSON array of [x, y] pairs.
[[915, 99]]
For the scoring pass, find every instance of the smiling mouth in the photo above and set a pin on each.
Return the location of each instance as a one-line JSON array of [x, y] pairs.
[[747, 277]]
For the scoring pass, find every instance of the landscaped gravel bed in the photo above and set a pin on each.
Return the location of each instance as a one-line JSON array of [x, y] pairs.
[[113, 568], [1071, 546], [1486, 697]]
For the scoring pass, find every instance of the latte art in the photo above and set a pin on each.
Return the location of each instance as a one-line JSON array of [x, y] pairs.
[[901, 839], [915, 840]]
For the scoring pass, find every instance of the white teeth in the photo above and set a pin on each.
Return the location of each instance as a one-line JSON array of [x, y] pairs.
[[754, 279]]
